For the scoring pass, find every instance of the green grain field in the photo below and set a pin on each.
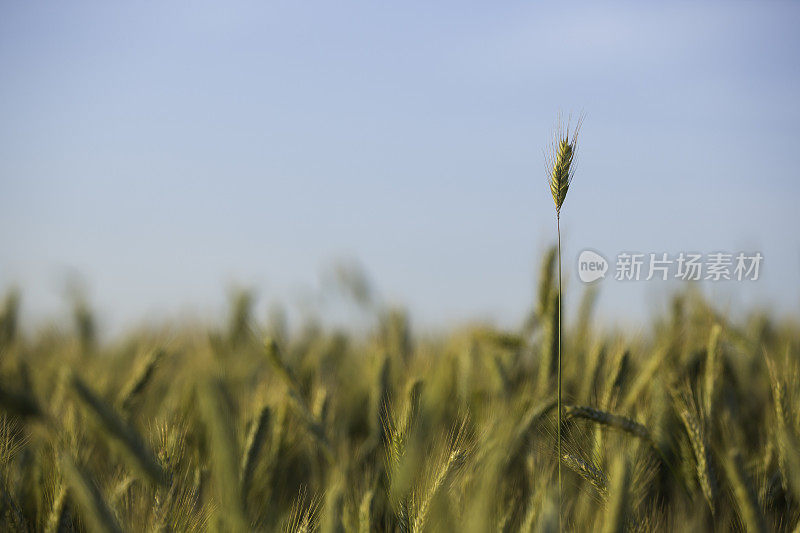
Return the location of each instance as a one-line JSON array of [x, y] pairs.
[[692, 425]]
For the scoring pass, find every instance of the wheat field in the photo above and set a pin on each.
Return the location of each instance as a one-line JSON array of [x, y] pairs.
[[691, 425]]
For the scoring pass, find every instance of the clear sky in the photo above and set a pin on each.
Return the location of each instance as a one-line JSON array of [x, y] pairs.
[[167, 151]]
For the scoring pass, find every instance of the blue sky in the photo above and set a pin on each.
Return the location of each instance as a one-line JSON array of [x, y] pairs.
[[167, 153]]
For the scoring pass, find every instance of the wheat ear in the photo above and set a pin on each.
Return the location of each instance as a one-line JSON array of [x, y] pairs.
[[588, 471], [605, 418], [139, 381], [256, 442], [705, 471], [712, 370]]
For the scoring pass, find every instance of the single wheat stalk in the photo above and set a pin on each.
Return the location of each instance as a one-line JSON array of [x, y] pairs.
[[617, 517], [543, 292], [712, 370], [560, 162], [705, 471], [139, 381], [749, 510], [256, 441], [645, 378]]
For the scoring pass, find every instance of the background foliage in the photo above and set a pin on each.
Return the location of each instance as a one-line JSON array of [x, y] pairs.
[[691, 425]]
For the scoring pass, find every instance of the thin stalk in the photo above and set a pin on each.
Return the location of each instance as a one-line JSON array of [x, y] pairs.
[[558, 229]]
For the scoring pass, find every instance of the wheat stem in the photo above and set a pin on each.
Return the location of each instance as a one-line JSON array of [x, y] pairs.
[[560, 414]]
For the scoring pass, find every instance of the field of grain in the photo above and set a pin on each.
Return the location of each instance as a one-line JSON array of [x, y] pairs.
[[690, 426]]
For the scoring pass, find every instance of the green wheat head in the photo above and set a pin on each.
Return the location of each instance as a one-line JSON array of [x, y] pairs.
[[560, 160]]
